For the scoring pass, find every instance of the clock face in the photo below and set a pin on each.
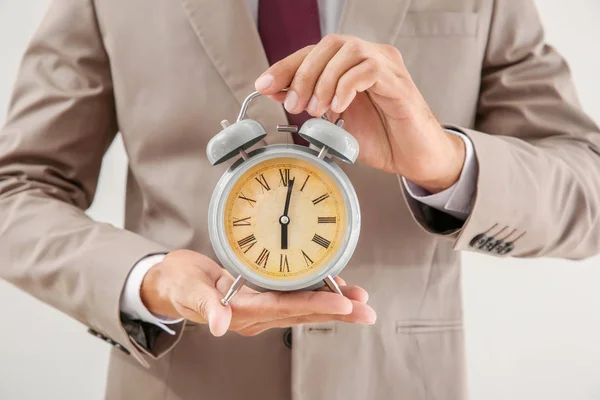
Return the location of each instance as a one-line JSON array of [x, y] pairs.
[[282, 241]]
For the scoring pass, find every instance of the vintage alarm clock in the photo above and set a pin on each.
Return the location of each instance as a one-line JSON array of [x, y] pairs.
[[283, 217]]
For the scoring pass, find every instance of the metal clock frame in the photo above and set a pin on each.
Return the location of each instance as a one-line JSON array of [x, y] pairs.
[[226, 255]]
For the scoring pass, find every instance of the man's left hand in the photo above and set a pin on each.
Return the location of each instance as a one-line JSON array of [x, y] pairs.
[[368, 84]]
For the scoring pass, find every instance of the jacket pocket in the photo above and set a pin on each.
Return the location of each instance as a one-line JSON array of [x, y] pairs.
[[428, 326], [435, 354], [439, 23]]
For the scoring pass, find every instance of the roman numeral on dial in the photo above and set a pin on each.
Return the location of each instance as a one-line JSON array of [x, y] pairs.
[[327, 220], [263, 258], [285, 176], [241, 221], [249, 200], [263, 182], [321, 241], [283, 263], [247, 243], [307, 259], [304, 184], [320, 199]]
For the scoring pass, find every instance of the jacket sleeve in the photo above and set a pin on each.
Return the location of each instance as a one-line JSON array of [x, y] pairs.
[[538, 186], [60, 123]]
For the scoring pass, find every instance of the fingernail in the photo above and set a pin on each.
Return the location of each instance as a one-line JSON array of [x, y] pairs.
[[347, 307], [373, 319], [334, 103], [291, 101], [313, 104], [263, 82]]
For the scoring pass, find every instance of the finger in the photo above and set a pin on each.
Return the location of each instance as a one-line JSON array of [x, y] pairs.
[[357, 79], [332, 116], [352, 292], [261, 307], [224, 283], [269, 306], [362, 314], [340, 281], [299, 96], [202, 304], [356, 293], [278, 97], [280, 74], [352, 53]]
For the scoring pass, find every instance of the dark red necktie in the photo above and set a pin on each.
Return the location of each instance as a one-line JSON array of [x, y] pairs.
[[286, 26]]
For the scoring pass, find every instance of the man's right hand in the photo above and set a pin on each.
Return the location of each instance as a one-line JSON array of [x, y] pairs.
[[190, 285]]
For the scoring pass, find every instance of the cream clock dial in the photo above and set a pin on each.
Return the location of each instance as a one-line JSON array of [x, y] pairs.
[[283, 217]]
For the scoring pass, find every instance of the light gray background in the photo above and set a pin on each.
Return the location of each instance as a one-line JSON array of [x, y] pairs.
[[533, 326]]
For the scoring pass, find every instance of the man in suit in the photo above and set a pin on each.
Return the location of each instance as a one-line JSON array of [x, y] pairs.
[[510, 172]]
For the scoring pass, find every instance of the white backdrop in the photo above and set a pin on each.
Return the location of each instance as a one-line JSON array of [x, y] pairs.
[[533, 326]]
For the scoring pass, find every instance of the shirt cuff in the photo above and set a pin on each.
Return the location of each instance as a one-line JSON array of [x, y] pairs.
[[131, 301], [457, 200]]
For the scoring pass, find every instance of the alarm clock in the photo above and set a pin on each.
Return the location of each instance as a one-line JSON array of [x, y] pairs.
[[283, 217]]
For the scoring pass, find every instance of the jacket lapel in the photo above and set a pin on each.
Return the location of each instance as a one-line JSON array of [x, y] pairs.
[[230, 38]]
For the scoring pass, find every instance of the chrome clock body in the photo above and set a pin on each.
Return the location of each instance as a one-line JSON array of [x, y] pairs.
[[217, 228]]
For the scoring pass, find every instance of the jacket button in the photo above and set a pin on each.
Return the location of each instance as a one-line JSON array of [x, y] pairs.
[[108, 340], [97, 334], [504, 249], [491, 244], [122, 348], [287, 338], [478, 241]]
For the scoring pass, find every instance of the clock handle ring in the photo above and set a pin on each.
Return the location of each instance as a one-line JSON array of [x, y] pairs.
[[252, 96], [247, 102]]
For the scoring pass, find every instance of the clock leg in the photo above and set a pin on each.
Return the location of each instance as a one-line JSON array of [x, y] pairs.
[[235, 287], [332, 284]]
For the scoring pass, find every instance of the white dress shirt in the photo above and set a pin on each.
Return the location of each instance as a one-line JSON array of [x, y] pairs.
[[456, 200], [131, 301]]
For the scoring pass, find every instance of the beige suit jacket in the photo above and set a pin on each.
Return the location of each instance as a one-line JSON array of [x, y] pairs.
[[164, 73]]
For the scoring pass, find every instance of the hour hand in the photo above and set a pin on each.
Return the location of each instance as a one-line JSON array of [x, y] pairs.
[[284, 234]]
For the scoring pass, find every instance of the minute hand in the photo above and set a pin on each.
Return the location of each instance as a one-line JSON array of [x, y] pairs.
[[285, 220], [288, 197]]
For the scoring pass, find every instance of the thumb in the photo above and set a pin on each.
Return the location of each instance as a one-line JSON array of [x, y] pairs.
[[216, 314]]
